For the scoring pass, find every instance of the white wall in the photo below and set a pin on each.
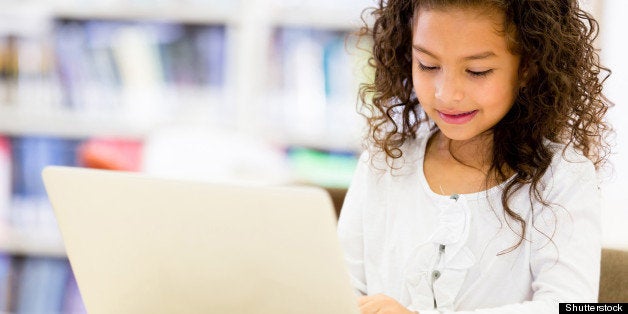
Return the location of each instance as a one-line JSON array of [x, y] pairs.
[[614, 45]]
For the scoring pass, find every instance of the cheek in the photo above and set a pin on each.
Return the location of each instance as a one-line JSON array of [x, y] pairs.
[[423, 87], [495, 95]]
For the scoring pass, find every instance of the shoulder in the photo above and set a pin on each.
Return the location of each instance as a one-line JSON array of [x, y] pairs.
[[570, 162], [570, 171], [411, 153], [378, 176]]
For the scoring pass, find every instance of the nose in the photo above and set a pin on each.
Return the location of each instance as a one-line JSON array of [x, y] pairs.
[[449, 88]]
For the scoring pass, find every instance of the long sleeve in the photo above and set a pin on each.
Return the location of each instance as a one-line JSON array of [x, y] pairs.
[[565, 242], [350, 226]]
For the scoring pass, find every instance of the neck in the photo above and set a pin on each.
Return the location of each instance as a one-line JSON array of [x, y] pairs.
[[474, 152]]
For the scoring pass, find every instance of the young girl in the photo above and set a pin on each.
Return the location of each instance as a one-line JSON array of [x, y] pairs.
[[479, 190]]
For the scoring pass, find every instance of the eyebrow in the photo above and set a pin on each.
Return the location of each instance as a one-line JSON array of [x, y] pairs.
[[482, 55]]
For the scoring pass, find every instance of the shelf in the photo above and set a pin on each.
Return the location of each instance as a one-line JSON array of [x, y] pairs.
[[133, 120], [18, 242], [341, 20], [195, 14], [68, 125], [24, 19], [320, 142], [72, 125]]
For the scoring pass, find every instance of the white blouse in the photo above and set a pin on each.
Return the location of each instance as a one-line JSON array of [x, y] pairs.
[[439, 254]]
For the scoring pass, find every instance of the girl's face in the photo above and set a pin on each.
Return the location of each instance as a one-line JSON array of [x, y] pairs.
[[463, 73]]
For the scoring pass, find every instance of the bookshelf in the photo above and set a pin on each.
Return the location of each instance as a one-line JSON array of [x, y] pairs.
[[58, 97], [31, 243], [248, 33], [67, 124]]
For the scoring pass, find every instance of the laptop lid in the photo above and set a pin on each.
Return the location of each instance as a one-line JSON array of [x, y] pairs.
[[140, 244]]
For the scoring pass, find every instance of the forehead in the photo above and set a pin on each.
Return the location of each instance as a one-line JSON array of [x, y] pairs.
[[459, 31]]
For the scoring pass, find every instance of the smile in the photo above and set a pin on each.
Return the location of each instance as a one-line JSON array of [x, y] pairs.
[[457, 118]]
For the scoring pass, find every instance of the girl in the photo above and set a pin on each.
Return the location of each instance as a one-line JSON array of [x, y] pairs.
[[479, 190]]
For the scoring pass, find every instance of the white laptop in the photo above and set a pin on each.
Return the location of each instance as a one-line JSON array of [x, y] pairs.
[[140, 244]]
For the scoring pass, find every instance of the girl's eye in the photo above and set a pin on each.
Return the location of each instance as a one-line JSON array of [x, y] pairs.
[[481, 73], [423, 67]]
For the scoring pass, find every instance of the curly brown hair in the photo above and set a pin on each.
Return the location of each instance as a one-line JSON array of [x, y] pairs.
[[561, 100]]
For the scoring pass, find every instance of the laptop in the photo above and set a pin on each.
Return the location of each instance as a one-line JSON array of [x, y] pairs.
[[142, 244]]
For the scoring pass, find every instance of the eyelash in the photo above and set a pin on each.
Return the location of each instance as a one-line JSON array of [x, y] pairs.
[[480, 74], [426, 68], [472, 73]]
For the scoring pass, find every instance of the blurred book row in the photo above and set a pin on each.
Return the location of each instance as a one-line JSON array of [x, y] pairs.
[[24, 204], [38, 285], [314, 79], [23, 201], [157, 72], [144, 70]]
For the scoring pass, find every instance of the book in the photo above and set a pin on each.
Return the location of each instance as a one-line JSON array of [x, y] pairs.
[[35, 89], [73, 66], [8, 69], [332, 169], [111, 154], [104, 82], [212, 59], [13, 282], [5, 180], [30, 208], [73, 302], [42, 285], [5, 282]]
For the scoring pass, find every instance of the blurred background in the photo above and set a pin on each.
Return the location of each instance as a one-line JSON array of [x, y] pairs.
[[255, 91]]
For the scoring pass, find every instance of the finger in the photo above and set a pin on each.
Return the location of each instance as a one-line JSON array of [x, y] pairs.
[[365, 299], [369, 308], [369, 305]]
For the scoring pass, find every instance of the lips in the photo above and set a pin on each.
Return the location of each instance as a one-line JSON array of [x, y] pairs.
[[457, 117]]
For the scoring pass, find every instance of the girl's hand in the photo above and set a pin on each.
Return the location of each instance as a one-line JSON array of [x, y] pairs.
[[381, 304]]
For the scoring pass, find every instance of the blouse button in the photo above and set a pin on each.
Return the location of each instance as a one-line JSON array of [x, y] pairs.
[[436, 274]]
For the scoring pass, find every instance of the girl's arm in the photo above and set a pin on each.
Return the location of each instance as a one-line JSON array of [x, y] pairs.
[[350, 225]]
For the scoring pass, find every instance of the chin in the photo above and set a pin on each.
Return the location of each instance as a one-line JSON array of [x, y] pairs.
[[458, 135]]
